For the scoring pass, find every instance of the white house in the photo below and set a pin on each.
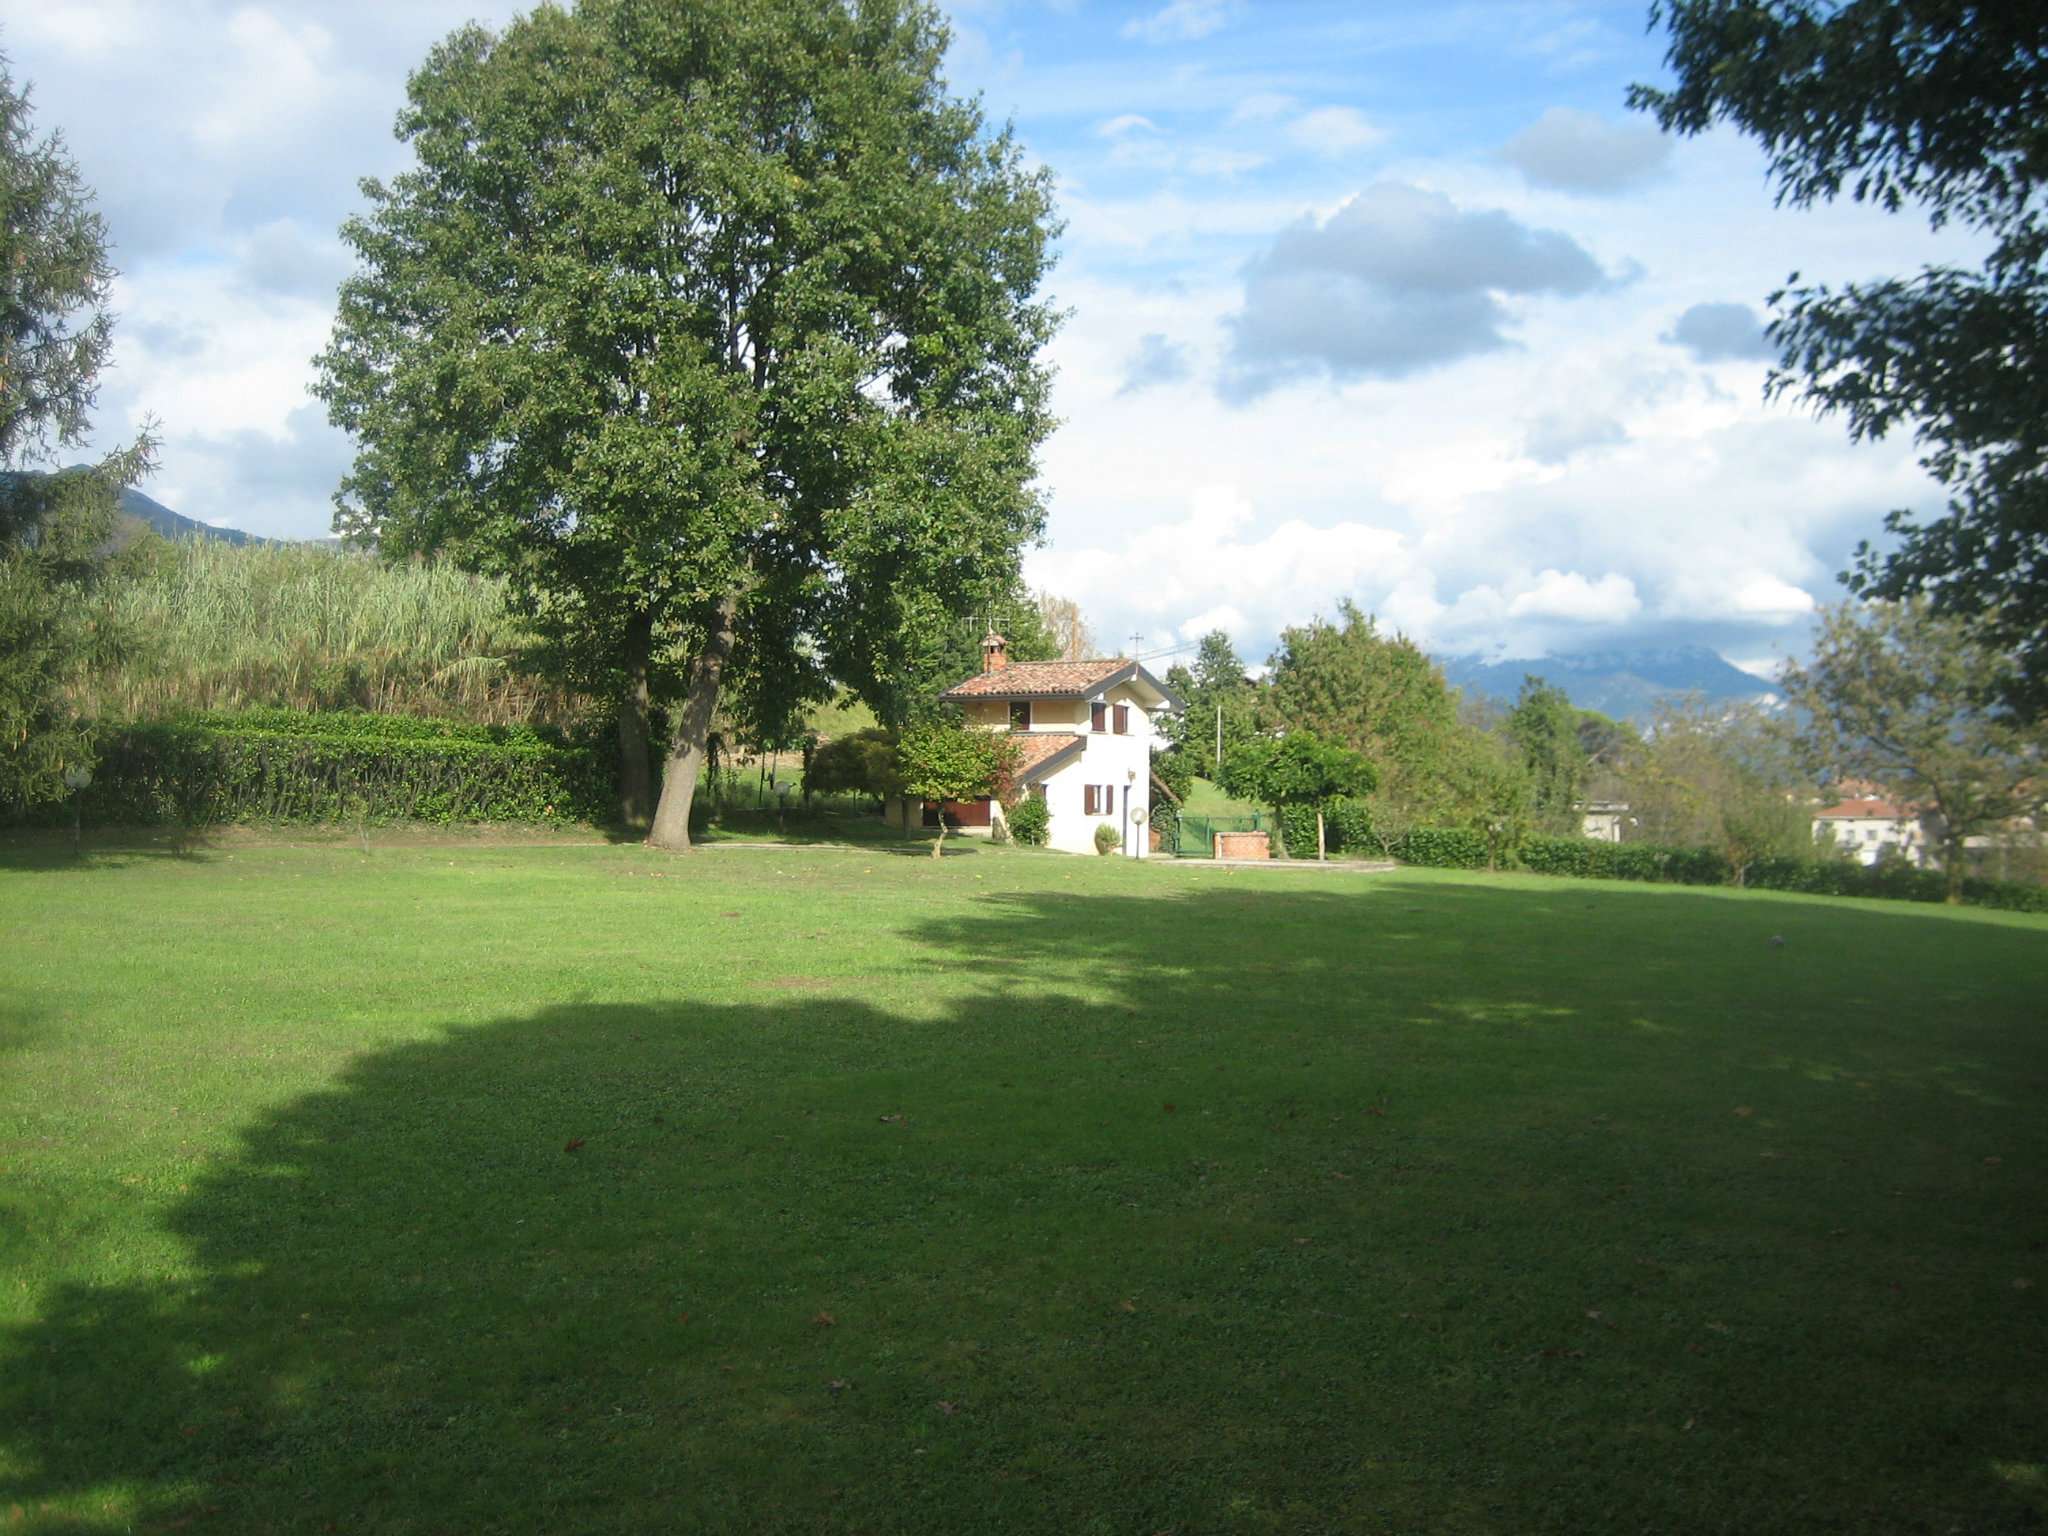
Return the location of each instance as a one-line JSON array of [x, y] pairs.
[[1084, 734], [1867, 824]]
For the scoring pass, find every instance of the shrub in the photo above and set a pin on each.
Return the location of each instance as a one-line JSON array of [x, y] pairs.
[[276, 765], [1166, 817], [1030, 821], [1347, 827], [1443, 848], [1107, 839]]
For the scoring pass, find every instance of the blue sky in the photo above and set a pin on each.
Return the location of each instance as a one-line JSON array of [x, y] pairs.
[[1388, 302]]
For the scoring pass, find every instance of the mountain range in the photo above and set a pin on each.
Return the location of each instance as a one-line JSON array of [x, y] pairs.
[[1624, 685], [175, 525]]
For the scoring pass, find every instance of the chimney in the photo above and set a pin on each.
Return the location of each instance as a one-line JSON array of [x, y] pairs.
[[995, 652]]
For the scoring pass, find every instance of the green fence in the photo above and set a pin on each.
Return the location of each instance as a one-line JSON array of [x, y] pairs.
[[1198, 833]]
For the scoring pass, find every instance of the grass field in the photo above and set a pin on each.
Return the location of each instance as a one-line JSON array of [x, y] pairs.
[[469, 1187]]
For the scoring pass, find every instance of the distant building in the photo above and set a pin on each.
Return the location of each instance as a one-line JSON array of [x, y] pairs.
[[1604, 819], [1868, 823]]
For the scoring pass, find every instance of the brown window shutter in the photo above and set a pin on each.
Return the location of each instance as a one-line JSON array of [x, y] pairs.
[[1123, 719], [1087, 799], [1095, 713]]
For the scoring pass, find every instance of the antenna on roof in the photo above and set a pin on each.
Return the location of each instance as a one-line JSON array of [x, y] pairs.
[[1137, 641]]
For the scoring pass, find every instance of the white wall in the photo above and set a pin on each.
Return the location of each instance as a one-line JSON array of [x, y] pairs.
[[1122, 762]]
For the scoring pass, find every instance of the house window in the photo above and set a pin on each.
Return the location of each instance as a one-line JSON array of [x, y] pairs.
[[1020, 714], [1095, 713], [1123, 719]]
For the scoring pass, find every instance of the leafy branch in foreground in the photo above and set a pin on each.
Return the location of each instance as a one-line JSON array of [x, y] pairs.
[[1938, 104]]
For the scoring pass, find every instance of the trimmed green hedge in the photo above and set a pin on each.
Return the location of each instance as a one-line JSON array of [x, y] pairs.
[[279, 765], [1347, 827]]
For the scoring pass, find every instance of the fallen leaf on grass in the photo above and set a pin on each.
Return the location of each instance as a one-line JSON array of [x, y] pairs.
[[575, 1145], [1374, 1109], [891, 1119], [1169, 1108], [1128, 1305], [2023, 1284], [824, 1320], [1743, 1111], [1993, 1162], [948, 1409], [835, 1386]]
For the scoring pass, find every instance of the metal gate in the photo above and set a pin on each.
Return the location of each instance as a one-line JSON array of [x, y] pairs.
[[1197, 838]]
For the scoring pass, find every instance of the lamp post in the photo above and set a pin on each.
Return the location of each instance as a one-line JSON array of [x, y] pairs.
[[77, 779]]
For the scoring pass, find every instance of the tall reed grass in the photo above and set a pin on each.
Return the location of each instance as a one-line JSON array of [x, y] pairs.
[[294, 626]]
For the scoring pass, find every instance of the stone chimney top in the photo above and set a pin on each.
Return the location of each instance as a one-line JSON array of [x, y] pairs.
[[995, 652]]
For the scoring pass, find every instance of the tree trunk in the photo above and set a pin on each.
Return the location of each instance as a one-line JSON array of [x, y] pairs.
[[1322, 850], [690, 741], [1952, 856], [636, 772], [940, 846]]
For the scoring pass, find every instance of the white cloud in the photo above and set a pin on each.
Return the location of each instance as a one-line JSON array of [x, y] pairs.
[[1128, 122], [1334, 131], [1569, 595], [1181, 21], [1766, 597], [285, 77], [1579, 152], [1261, 107]]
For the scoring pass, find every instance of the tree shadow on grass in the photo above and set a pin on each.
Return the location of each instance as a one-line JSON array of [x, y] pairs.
[[1310, 1210], [36, 850]]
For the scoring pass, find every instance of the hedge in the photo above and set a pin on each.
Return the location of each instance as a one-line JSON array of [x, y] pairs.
[[1889, 881], [279, 765]]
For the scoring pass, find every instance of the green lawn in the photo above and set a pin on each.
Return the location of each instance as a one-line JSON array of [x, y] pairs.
[[1207, 799], [577, 1188]]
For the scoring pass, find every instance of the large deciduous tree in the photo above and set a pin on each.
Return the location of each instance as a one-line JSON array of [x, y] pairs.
[[1718, 774], [1381, 696], [55, 334], [1913, 699], [1298, 769], [712, 325], [1545, 729], [1938, 104]]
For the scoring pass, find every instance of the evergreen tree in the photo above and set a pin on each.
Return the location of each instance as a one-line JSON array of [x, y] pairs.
[[55, 528]]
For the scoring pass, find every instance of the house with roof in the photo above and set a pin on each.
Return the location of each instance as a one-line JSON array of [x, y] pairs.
[[1084, 732], [1866, 822]]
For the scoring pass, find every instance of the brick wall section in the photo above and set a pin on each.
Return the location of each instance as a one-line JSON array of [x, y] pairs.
[[1243, 845]]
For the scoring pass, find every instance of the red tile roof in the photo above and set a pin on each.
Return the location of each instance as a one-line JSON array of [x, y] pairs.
[[1883, 810], [1037, 748], [1041, 679]]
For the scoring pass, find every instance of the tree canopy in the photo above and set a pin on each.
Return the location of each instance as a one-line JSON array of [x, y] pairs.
[[940, 761], [1912, 699], [713, 326], [1300, 768], [1546, 730], [1720, 775], [1936, 104], [55, 527]]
